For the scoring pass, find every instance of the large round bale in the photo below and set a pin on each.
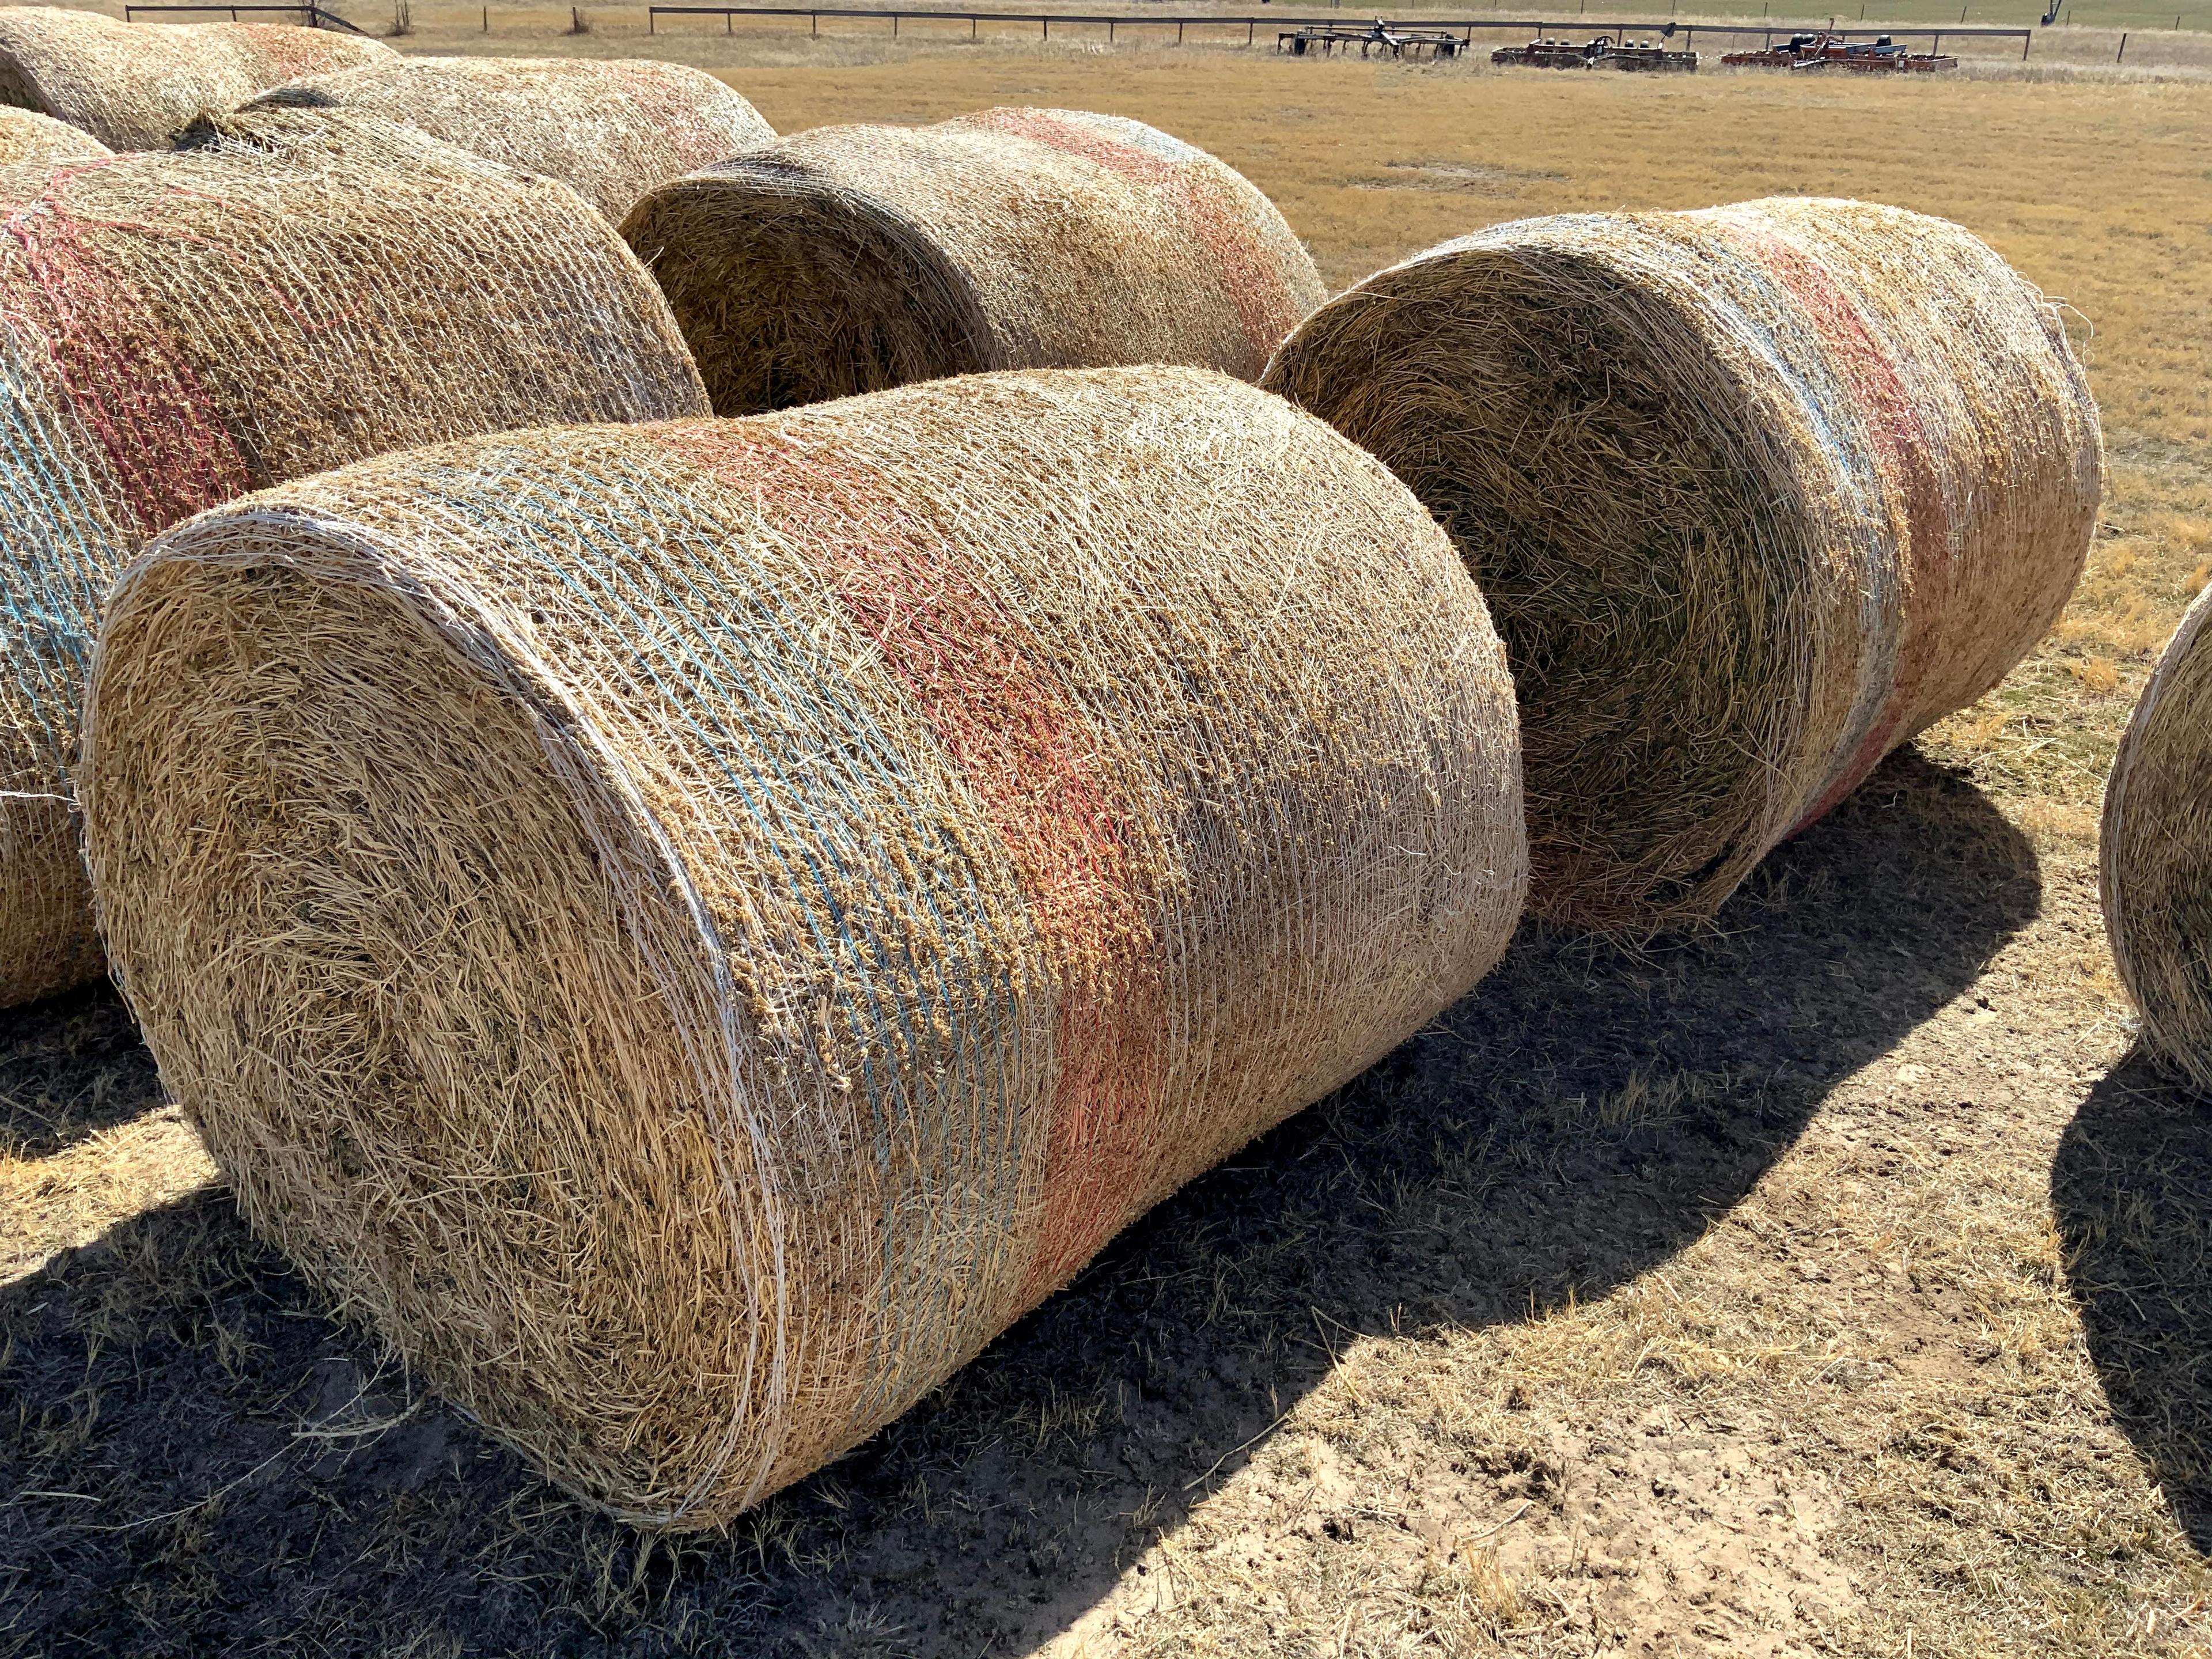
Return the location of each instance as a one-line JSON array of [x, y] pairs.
[[25, 136], [852, 258], [2156, 854], [184, 327], [133, 85], [691, 930], [610, 129], [1755, 495]]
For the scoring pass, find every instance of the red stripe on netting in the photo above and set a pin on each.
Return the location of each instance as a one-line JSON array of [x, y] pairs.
[[1247, 270], [973, 668], [124, 376], [1898, 438]]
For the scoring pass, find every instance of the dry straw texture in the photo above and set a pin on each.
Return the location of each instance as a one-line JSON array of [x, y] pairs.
[[1755, 493], [133, 85], [25, 136], [692, 930], [612, 130], [2156, 854], [852, 258], [180, 328]]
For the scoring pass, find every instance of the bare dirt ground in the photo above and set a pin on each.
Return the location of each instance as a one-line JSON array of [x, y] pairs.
[[1830, 1281]]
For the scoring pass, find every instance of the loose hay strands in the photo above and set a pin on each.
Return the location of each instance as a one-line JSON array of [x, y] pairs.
[[852, 258], [25, 136], [692, 930], [179, 328], [612, 130], [2156, 855], [1755, 495], [132, 85]]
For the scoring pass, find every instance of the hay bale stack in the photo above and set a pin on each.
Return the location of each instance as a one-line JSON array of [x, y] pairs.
[[25, 136], [610, 129], [132, 85], [184, 327], [852, 258], [1755, 493], [692, 930], [2156, 855]]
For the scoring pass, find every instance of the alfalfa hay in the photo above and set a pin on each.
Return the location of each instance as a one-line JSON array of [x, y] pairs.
[[184, 327], [133, 85], [1755, 493], [852, 258], [2156, 853], [689, 930], [610, 129]]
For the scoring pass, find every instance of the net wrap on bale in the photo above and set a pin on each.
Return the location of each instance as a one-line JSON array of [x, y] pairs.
[[25, 136], [692, 929], [610, 129], [182, 327], [133, 85], [851, 258], [1755, 493], [2156, 853]]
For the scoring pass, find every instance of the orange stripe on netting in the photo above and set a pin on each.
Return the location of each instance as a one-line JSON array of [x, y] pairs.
[[1891, 421], [973, 666], [125, 378], [1247, 270]]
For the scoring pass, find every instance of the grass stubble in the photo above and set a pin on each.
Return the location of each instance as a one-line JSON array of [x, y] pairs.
[[1829, 1280]]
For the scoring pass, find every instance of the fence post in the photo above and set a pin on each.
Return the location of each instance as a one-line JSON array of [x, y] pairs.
[[1109, 31], [971, 26], [895, 17], [650, 20], [1046, 22], [1248, 31]]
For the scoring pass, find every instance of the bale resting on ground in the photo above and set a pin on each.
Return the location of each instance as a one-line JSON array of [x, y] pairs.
[[183, 327], [2156, 853], [851, 258], [1755, 493], [691, 929]]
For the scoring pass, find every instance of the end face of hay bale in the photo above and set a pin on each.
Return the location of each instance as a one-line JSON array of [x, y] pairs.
[[1755, 495], [850, 259], [610, 129], [2156, 853], [130, 85], [692, 930], [290, 294]]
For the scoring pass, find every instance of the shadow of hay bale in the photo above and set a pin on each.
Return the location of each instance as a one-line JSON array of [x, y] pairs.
[[2132, 1190], [70, 1067], [1457, 1184]]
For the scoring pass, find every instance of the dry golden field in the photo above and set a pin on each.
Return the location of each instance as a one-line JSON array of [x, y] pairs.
[[1830, 1281]]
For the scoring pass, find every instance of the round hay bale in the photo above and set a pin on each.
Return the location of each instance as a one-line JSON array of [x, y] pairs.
[[609, 129], [852, 258], [1755, 493], [26, 136], [186, 326], [132, 85], [2156, 855], [691, 930]]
